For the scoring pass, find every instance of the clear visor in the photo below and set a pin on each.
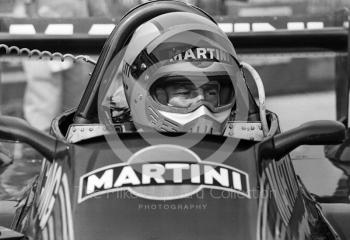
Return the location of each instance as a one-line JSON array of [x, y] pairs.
[[188, 92]]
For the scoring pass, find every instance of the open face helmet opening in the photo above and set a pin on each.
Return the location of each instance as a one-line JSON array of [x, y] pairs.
[[179, 73]]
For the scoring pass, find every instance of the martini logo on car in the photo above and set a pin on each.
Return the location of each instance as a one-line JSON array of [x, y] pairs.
[[163, 172]]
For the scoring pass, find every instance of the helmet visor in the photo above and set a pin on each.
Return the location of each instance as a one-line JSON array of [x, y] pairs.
[[190, 92]]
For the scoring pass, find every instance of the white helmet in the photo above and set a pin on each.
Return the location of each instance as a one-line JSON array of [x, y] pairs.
[[179, 74]]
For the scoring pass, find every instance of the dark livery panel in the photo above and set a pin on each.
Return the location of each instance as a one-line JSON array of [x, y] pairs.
[[154, 197], [169, 191]]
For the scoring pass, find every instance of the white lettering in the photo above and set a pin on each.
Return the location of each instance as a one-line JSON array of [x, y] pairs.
[[210, 174], [237, 181], [201, 53], [217, 54], [195, 173], [189, 54], [223, 56], [106, 181], [178, 57], [127, 176], [211, 51], [154, 171], [177, 170]]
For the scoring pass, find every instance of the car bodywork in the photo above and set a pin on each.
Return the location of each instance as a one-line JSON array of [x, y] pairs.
[[264, 198], [85, 190]]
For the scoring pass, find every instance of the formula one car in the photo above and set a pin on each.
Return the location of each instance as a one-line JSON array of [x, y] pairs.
[[104, 177]]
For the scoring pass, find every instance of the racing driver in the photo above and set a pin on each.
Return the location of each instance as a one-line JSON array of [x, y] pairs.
[[179, 73]]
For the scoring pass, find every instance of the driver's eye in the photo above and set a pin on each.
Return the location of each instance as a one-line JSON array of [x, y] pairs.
[[182, 91], [212, 92]]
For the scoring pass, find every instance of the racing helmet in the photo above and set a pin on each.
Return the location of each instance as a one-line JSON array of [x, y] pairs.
[[179, 74]]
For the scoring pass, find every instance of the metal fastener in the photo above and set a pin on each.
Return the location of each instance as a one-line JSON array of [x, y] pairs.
[[143, 66]]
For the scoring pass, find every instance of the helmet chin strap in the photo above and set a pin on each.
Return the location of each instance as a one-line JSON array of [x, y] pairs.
[[261, 92]]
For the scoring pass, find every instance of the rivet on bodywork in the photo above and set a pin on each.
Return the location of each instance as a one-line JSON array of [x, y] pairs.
[[143, 66]]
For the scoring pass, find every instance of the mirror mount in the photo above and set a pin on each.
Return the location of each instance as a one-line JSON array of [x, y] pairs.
[[322, 132], [16, 129]]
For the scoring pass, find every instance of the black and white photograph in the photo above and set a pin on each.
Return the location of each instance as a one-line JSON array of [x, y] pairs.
[[174, 120]]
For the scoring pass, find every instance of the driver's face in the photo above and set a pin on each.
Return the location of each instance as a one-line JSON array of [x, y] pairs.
[[184, 95]]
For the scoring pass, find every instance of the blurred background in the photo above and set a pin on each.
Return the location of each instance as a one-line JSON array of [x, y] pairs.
[[282, 75], [299, 88]]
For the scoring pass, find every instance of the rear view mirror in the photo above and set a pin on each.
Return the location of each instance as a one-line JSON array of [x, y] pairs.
[[16, 129], [323, 132]]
